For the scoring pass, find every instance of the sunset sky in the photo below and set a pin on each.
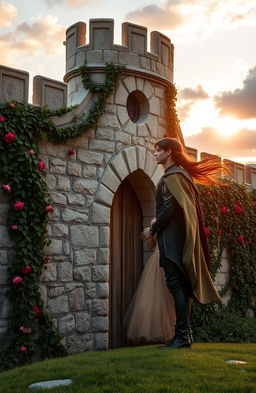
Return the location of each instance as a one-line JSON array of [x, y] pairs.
[[215, 57]]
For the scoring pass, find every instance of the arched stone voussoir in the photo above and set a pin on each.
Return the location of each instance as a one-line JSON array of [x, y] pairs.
[[119, 166], [159, 171], [131, 158]]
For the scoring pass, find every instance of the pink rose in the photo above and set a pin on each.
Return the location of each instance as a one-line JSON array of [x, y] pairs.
[[18, 205], [31, 152], [41, 166], [49, 208], [23, 348], [17, 280], [240, 239], [9, 137], [36, 310], [2, 119], [26, 270], [11, 105], [224, 210], [207, 231], [238, 209], [14, 227], [72, 152], [25, 330], [6, 187]]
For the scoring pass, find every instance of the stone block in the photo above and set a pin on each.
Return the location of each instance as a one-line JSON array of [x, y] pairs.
[[89, 157], [160, 92], [138, 141], [152, 125], [90, 290], [55, 215], [105, 133], [50, 181], [4, 207], [5, 305], [85, 186], [58, 198], [90, 171], [76, 300], [94, 56], [58, 305], [154, 104], [49, 92], [3, 274], [85, 256], [84, 235], [100, 145], [55, 290], [121, 95], [104, 195], [100, 273], [49, 273], [122, 114], [66, 324], [143, 130], [148, 89], [140, 84], [82, 273], [110, 180], [63, 183], [13, 84], [100, 214], [104, 236], [65, 271], [80, 59], [103, 290], [74, 169], [110, 56], [3, 257], [66, 248], [5, 240], [78, 342], [130, 155], [130, 83], [57, 165], [101, 341], [129, 58], [54, 248], [157, 175], [131, 128], [69, 216], [76, 199], [83, 321], [103, 256], [123, 137], [145, 63], [150, 164], [100, 307], [100, 324]]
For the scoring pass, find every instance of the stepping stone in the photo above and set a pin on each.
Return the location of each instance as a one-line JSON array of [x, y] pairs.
[[50, 384], [235, 362]]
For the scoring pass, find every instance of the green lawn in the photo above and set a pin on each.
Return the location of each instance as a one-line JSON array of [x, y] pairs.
[[145, 370]]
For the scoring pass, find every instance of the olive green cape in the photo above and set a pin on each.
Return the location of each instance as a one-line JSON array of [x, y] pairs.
[[194, 253]]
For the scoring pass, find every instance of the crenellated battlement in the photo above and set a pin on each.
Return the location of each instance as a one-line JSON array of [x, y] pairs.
[[133, 51]]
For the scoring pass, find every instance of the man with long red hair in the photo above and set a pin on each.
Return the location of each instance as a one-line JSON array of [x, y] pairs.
[[182, 242]]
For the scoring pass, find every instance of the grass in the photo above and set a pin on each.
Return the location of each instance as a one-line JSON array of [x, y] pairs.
[[144, 370]]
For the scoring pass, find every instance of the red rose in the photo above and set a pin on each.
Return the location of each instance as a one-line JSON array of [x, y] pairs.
[[2, 119], [36, 310], [18, 205], [9, 137], [238, 209], [6, 187], [207, 231], [72, 152], [14, 227], [26, 270], [41, 166], [11, 105], [49, 208], [23, 348], [240, 239], [17, 280], [224, 210]]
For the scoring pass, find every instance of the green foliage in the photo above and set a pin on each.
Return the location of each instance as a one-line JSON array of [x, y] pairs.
[[230, 216], [22, 127]]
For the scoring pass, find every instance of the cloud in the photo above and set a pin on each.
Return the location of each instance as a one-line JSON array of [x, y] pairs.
[[8, 14], [240, 103], [71, 3], [187, 97], [41, 37], [242, 144], [195, 18]]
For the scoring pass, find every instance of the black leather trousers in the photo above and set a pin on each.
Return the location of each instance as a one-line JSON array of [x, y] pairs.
[[178, 287]]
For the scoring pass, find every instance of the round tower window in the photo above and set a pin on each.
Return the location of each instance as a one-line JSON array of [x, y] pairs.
[[137, 107]]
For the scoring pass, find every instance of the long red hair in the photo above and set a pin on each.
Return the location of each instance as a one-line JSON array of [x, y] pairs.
[[206, 171]]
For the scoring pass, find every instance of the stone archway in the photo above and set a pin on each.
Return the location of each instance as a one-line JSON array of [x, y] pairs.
[[136, 167]]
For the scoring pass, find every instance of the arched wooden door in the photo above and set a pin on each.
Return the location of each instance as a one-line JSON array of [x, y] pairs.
[[126, 261]]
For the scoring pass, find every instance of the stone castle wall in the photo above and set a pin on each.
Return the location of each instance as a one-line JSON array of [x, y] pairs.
[[75, 284]]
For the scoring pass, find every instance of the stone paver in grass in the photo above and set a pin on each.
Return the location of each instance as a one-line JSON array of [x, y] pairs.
[[50, 384], [236, 362]]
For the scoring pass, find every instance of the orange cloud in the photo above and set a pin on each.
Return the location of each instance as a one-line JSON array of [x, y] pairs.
[[41, 37], [240, 103], [71, 3], [187, 97], [8, 13]]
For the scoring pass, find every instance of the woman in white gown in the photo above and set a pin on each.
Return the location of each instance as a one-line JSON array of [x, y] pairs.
[[151, 314]]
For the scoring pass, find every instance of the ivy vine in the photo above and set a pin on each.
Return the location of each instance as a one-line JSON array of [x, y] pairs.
[[22, 126]]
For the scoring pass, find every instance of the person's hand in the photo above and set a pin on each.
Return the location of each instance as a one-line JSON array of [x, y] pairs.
[[152, 221], [146, 234]]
